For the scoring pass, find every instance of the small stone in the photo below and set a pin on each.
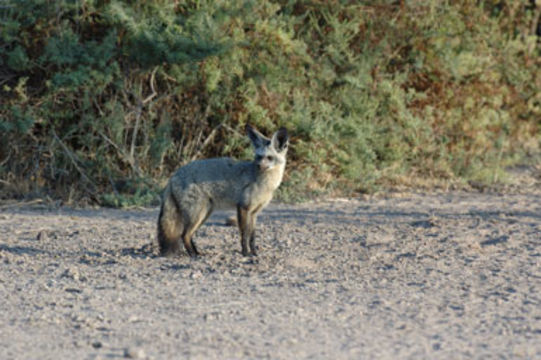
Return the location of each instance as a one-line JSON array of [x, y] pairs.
[[196, 275], [42, 236], [71, 273], [73, 290], [231, 221], [134, 353], [97, 344]]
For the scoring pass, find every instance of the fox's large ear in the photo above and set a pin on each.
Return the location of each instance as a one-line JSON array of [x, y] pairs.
[[280, 140], [258, 139]]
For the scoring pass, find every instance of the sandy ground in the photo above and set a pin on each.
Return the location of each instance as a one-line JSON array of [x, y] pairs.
[[453, 275]]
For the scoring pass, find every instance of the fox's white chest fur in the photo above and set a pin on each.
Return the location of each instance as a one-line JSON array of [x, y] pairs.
[[260, 193]]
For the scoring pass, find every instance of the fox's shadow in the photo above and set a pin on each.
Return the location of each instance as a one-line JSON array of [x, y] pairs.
[[22, 250], [143, 252]]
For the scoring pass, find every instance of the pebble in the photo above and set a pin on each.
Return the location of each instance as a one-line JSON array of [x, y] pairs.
[[73, 273], [134, 353], [42, 236], [196, 275], [327, 276], [231, 221]]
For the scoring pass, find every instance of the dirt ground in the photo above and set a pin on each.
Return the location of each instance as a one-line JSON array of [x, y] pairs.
[[453, 275]]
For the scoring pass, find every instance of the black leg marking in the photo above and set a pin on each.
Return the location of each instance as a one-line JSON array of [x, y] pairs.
[[196, 252], [242, 215], [188, 245], [253, 219], [252, 243]]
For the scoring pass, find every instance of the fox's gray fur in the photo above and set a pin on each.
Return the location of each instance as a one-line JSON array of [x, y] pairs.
[[202, 186]]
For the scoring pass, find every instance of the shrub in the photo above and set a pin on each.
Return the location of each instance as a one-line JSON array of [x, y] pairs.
[[102, 100]]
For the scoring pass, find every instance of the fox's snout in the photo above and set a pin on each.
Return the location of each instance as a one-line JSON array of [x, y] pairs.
[[263, 165]]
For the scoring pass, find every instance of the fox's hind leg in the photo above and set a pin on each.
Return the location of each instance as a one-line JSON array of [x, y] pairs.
[[169, 227], [189, 245], [194, 218]]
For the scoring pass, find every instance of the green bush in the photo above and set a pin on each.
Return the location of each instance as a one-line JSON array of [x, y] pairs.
[[101, 101]]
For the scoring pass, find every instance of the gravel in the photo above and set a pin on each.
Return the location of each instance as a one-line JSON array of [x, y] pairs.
[[452, 275]]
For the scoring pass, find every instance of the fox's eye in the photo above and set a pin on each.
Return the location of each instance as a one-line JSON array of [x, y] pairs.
[[269, 158]]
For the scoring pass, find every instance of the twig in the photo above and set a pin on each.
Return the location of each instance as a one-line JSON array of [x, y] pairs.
[[169, 78], [6, 78], [152, 80], [73, 160], [130, 157], [227, 127], [138, 111], [206, 142], [135, 130], [536, 17], [112, 184], [194, 143], [111, 142], [6, 159], [21, 204], [122, 153], [535, 24]]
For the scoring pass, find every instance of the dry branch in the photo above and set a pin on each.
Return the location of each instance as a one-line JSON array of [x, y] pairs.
[[73, 159]]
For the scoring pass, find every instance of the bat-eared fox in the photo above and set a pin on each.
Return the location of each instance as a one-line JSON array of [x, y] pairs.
[[202, 186]]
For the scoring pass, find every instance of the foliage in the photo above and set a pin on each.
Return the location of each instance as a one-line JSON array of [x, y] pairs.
[[101, 101]]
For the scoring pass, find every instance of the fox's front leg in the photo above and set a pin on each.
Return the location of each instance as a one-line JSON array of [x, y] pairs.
[[245, 220], [253, 218]]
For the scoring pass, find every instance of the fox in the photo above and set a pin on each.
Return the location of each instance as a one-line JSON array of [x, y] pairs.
[[200, 187]]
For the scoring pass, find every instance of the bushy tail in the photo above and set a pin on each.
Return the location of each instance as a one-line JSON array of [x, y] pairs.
[[169, 225]]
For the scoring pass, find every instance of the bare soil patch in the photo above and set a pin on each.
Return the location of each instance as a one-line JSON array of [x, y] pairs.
[[453, 275]]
